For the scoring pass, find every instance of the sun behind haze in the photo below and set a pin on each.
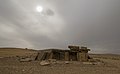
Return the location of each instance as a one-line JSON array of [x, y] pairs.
[[39, 8]]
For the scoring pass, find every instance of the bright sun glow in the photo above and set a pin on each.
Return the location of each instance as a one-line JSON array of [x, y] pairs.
[[39, 8]]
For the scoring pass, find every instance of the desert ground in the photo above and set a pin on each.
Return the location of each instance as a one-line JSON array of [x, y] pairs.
[[9, 64]]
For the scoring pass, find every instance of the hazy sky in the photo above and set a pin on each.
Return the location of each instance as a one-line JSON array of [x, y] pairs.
[[91, 23]]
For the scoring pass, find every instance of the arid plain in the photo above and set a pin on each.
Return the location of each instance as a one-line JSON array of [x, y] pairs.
[[9, 64]]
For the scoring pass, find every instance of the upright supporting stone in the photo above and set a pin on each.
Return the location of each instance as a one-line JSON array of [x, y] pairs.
[[83, 56], [51, 55], [66, 56], [78, 57]]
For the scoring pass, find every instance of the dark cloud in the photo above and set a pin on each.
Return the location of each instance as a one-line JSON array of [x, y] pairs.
[[49, 12], [93, 23]]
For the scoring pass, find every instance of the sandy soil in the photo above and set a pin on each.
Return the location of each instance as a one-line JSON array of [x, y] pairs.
[[10, 65], [12, 52]]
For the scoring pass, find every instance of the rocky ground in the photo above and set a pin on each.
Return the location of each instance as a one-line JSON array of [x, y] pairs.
[[13, 66], [108, 64]]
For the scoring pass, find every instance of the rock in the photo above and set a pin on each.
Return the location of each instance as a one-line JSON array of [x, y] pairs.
[[66, 62], [44, 63], [88, 63], [52, 61], [98, 63]]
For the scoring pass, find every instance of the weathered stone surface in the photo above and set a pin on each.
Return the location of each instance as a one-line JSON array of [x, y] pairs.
[[44, 63], [67, 62], [74, 54], [74, 48], [88, 63], [67, 56]]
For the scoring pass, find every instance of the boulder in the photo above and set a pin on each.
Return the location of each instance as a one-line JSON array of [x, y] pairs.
[[67, 62], [44, 63]]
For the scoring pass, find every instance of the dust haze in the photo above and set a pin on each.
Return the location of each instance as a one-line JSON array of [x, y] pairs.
[[91, 23]]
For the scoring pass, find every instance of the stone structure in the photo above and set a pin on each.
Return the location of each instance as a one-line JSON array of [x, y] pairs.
[[81, 54], [75, 53]]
